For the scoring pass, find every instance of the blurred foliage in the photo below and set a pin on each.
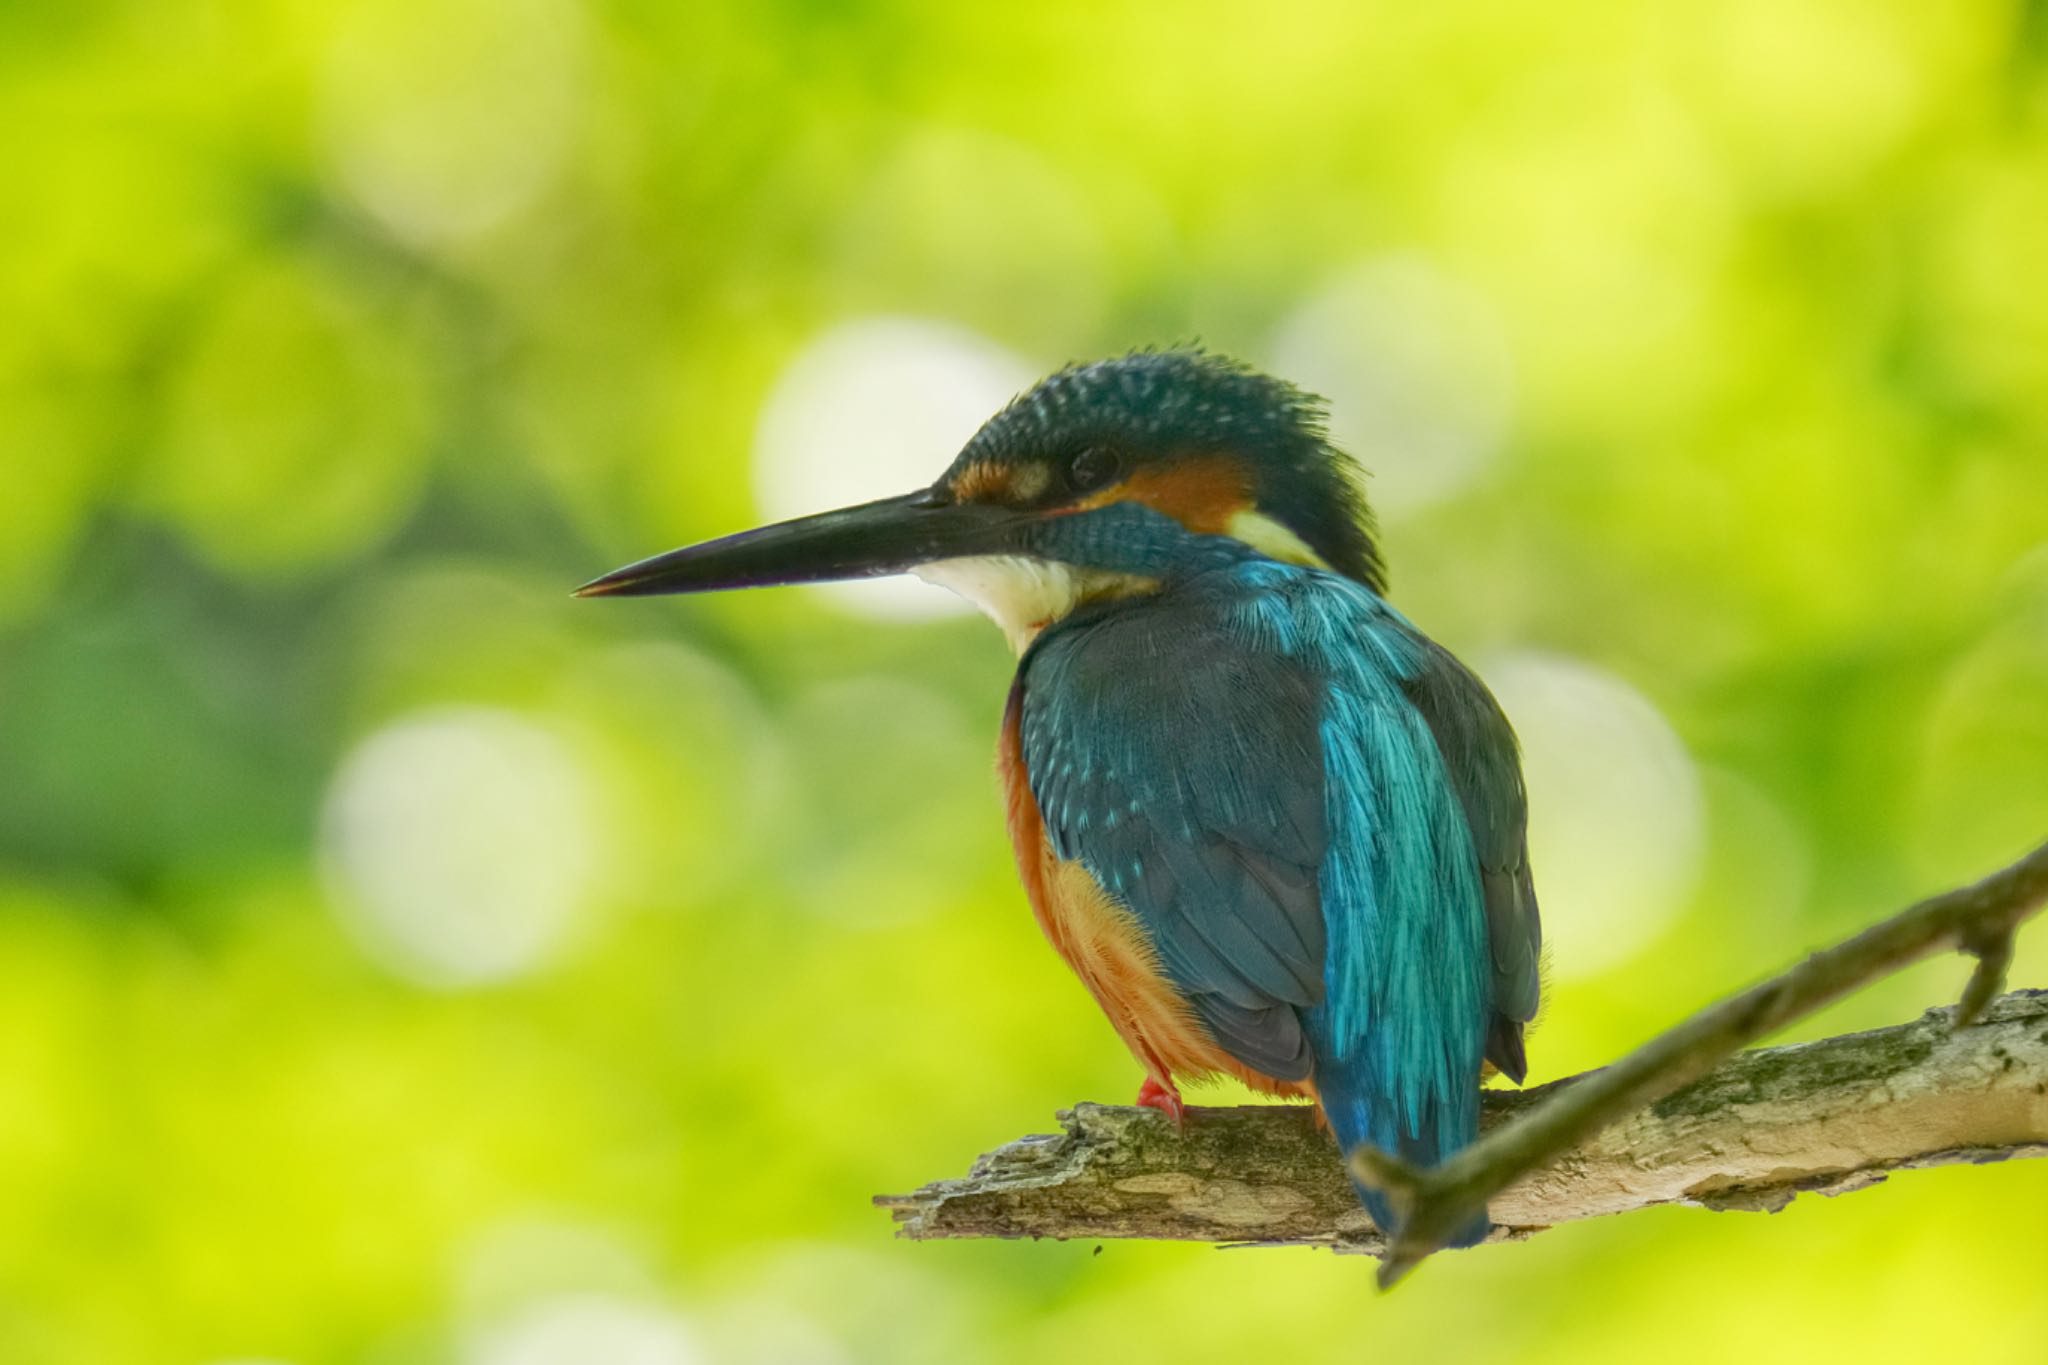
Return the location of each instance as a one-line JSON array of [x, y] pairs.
[[338, 341]]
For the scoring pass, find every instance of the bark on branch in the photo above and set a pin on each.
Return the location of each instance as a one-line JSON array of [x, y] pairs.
[[1664, 1125]]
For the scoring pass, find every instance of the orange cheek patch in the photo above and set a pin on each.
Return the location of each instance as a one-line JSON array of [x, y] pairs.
[[1202, 493]]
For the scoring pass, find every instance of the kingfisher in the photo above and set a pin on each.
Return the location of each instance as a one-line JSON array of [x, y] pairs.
[[1277, 831]]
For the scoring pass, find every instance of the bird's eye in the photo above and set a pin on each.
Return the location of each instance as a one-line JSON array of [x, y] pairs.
[[1093, 468]]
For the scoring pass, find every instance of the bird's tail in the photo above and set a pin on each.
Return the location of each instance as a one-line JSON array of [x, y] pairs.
[[1357, 1117]]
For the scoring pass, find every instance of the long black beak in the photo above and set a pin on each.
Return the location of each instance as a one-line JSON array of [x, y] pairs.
[[875, 538]]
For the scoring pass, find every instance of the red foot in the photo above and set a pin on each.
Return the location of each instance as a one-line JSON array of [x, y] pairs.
[[1165, 1098]]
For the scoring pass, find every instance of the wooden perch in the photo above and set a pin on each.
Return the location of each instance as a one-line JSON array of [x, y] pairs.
[[1664, 1125], [1824, 1117]]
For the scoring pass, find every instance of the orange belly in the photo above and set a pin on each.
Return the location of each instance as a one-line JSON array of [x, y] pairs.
[[1100, 939]]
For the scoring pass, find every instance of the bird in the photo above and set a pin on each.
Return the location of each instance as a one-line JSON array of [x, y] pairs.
[[1278, 832]]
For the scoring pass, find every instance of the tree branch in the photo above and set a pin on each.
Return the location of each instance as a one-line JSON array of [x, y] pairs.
[[1977, 919], [1655, 1128]]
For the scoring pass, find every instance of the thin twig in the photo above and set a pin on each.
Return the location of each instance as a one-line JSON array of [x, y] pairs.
[[1979, 919]]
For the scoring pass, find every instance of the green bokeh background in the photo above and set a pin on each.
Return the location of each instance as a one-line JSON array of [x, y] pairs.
[[338, 340]]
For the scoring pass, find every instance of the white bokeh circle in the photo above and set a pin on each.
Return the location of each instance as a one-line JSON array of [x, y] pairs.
[[1417, 371], [874, 407], [1616, 817], [585, 1329], [460, 845], [445, 118]]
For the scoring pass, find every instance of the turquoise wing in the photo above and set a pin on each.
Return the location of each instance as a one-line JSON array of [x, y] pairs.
[[1480, 756], [1182, 767]]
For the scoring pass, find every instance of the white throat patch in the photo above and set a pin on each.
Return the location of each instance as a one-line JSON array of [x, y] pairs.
[[1023, 595]]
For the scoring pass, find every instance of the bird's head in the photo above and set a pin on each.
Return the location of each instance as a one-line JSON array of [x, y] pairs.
[[1036, 514]]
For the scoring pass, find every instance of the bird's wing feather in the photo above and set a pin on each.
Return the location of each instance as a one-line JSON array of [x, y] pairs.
[[1398, 1039], [1182, 767], [1479, 753]]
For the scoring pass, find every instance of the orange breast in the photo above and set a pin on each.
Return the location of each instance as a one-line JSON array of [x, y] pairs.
[[1100, 939]]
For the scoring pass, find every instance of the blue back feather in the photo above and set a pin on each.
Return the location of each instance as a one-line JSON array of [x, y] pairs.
[[1399, 1036]]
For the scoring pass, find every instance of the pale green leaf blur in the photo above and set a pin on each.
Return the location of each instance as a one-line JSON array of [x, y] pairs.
[[401, 962]]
